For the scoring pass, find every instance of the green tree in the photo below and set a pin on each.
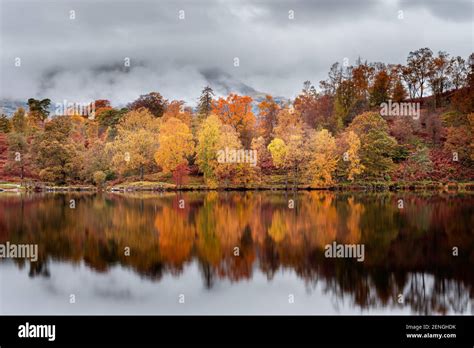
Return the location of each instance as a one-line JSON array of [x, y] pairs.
[[378, 147], [38, 110], [204, 106]]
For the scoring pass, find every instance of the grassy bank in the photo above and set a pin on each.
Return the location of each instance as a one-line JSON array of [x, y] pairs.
[[199, 185]]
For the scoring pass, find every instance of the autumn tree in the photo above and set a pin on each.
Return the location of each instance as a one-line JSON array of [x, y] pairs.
[[457, 72], [349, 155], [55, 153], [379, 91], [152, 101], [267, 117], [264, 158], [99, 106], [305, 103], [175, 146], [206, 151], [237, 111], [438, 77], [19, 121], [323, 158], [417, 70], [18, 157], [177, 109], [361, 76], [136, 142], [458, 144], [398, 92], [228, 141], [331, 84], [344, 101]]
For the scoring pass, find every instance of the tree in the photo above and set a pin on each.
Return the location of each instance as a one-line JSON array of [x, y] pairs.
[[457, 72], [398, 92], [267, 117], [19, 121], [458, 141], [323, 158], [228, 141], [378, 147], [38, 110], [344, 101], [136, 142], [264, 158], [288, 121], [236, 111], [305, 103], [176, 109], [417, 70], [152, 101], [206, 152], [5, 125], [352, 156], [278, 151], [176, 144], [99, 178], [437, 77], [18, 158], [108, 121], [361, 75], [99, 106], [379, 91], [56, 154], [204, 106], [331, 85]]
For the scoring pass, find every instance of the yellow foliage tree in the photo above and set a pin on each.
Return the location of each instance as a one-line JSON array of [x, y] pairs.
[[176, 144], [323, 158], [352, 156], [208, 145]]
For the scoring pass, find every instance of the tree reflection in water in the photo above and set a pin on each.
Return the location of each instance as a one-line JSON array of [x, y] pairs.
[[407, 251]]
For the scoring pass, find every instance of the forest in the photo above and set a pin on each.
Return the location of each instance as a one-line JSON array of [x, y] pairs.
[[341, 133]]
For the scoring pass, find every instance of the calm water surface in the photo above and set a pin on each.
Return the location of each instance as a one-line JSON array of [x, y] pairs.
[[190, 250]]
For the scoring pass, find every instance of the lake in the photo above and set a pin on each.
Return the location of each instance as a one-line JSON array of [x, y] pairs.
[[238, 253]]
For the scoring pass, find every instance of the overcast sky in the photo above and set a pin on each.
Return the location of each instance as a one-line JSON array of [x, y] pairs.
[[83, 59]]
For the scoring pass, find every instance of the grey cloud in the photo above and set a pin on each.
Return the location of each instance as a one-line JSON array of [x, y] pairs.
[[83, 58]]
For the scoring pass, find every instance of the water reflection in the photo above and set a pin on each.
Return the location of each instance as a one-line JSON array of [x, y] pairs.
[[407, 251]]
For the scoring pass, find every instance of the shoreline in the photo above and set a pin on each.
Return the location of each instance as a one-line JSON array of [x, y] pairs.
[[166, 187]]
